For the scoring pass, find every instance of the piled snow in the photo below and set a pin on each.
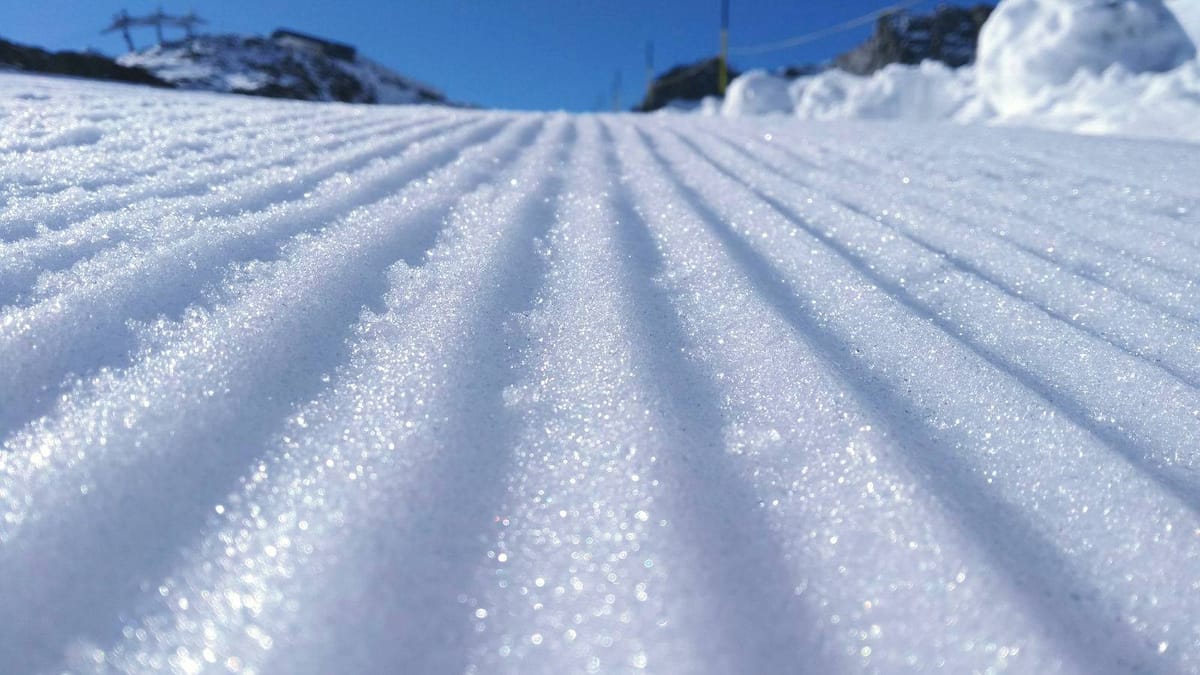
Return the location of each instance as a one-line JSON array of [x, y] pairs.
[[298, 388], [925, 92], [1030, 48], [1155, 105], [1086, 67]]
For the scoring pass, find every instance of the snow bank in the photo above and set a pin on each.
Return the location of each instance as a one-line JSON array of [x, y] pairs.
[[1028, 48], [1124, 68], [1156, 105], [928, 91]]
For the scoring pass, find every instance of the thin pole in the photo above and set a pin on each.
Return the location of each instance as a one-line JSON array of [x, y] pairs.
[[649, 67], [616, 93], [157, 19], [723, 65], [121, 22]]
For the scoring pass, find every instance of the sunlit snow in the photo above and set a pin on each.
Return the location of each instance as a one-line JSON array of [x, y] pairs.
[[304, 388], [1102, 67]]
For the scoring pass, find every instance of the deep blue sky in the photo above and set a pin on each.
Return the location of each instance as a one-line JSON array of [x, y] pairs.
[[529, 54]]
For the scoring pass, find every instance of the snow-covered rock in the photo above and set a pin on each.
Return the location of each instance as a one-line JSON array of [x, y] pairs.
[[266, 67], [1029, 47]]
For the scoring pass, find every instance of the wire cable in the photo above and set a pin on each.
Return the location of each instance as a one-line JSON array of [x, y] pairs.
[[825, 32]]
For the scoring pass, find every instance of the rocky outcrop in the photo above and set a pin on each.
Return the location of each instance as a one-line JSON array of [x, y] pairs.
[[78, 64], [948, 35], [684, 83]]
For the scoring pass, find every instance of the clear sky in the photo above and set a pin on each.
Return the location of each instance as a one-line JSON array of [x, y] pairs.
[[528, 54]]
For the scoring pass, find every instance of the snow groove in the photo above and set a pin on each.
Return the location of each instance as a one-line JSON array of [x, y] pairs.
[[761, 424], [306, 298], [1102, 266], [1040, 234], [957, 420], [83, 327], [217, 166], [1117, 421], [1178, 358], [1046, 210], [295, 388], [28, 263], [400, 454]]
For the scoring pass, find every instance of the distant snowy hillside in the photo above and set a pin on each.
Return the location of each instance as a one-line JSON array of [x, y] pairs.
[[1125, 68], [30, 59], [267, 67]]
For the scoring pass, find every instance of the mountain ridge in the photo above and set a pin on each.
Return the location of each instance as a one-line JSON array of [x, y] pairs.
[[287, 65]]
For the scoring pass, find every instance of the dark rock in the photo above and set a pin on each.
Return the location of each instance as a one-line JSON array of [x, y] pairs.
[[948, 35], [337, 50], [78, 64], [802, 70], [684, 83]]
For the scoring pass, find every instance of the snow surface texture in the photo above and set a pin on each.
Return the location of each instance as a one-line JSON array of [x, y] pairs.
[[298, 388], [1093, 67]]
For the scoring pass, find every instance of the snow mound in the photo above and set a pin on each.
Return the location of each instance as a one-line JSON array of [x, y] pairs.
[[756, 93], [1029, 47]]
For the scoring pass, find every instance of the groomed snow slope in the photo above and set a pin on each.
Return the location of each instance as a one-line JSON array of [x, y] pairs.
[[297, 388]]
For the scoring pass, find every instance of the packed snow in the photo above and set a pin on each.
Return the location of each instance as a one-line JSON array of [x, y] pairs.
[[1108, 67], [305, 388]]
